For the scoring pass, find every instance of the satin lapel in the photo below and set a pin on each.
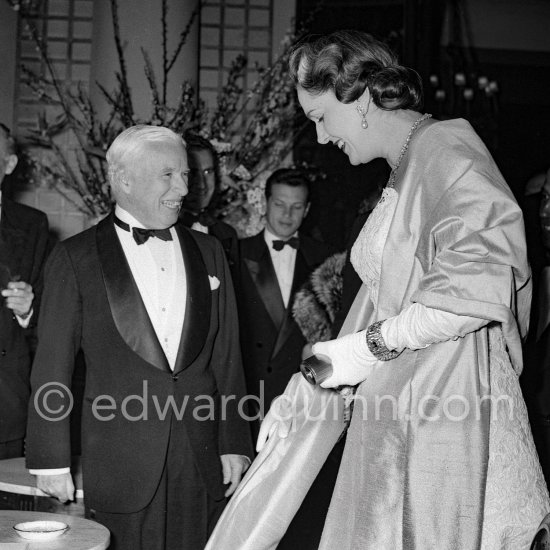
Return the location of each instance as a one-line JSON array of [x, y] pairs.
[[198, 305], [127, 307], [265, 280], [301, 271]]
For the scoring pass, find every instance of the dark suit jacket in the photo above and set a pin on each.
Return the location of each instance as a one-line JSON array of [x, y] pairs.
[[271, 341], [227, 236], [23, 248], [92, 302], [535, 377]]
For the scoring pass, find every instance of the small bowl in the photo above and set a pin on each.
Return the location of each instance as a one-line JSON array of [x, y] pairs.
[[40, 530]]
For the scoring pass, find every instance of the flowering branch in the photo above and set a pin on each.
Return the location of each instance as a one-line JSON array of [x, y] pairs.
[[183, 36], [127, 111], [253, 131]]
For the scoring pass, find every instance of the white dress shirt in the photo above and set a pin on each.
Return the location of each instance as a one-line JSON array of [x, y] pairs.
[[197, 226], [159, 273], [283, 262]]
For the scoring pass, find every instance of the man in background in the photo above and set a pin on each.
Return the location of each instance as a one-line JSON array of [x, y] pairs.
[[274, 265], [23, 250], [535, 378], [149, 304], [204, 182]]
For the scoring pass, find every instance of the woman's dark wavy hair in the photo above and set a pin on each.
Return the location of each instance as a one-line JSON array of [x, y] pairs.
[[347, 62]]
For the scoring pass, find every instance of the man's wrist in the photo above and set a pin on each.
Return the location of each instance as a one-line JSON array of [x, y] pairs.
[[24, 315], [23, 321]]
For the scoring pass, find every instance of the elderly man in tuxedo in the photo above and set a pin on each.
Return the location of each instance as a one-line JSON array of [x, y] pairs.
[[148, 302], [23, 250], [275, 264]]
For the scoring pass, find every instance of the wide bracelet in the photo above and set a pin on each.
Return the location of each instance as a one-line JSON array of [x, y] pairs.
[[376, 344]]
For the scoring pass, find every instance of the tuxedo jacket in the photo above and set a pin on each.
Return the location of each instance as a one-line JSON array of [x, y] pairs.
[[23, 248], [131, 396], [226, 235], [228, 238], [271, 341]]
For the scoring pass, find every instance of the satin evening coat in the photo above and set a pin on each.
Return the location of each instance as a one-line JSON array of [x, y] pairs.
[[415, 469]]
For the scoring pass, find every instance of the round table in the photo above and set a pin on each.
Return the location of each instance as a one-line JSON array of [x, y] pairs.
[[15, 478], [83, 534]]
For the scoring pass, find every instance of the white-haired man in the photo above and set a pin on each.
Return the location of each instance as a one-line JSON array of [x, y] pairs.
[[148, 303]]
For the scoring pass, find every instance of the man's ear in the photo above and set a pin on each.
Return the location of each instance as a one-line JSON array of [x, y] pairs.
[[307, 209], [11, 163], [124, 182]]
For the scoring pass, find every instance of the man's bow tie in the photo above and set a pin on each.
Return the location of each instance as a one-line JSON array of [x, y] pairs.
[[141, 234], [293, 242], [204, 218]]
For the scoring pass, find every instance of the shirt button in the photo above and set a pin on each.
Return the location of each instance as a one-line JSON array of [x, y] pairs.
[[163, 309], [162, 269], [166, 340]]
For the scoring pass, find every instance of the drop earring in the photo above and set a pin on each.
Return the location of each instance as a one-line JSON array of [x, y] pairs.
[[363, 112]]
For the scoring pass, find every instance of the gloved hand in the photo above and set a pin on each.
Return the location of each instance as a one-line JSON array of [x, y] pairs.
[[352, 361], [278, 419]]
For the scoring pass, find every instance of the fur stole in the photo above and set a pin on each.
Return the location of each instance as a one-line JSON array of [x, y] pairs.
[[317, 302]]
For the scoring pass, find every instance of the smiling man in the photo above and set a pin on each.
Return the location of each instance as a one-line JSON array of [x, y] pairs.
[[148, 303], [275, 264]]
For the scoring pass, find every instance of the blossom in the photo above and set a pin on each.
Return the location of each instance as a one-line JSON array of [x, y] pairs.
[[252, 130], [221, 147], [242, 173]]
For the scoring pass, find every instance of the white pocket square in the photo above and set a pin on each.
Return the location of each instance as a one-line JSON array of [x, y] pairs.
[[214, 282]]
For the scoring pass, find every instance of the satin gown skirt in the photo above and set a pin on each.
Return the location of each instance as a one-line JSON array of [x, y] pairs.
[[272, 490]]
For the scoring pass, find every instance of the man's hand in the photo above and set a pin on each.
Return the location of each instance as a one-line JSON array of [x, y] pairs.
[[18, 297], [60, 486], [233, 468]]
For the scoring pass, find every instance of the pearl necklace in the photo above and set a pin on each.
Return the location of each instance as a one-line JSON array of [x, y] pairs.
[[414, 127]]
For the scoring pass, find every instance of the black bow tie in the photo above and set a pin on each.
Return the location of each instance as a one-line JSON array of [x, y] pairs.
[[141, 234], [203, 217], [292, 242]]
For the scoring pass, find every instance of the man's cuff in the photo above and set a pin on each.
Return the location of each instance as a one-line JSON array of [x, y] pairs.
[[25, 321], [50, 471]]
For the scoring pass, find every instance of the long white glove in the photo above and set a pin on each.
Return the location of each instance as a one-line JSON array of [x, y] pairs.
[[352, 361], [418, 326], [278, 419]]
